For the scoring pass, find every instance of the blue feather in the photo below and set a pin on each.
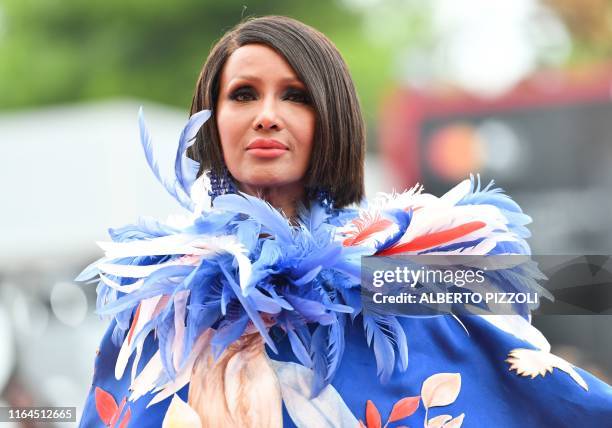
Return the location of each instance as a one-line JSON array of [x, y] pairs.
[[269, 257], [352, 298], [228, 334], [172, 186], [226, 296], [300, 344], [118, 336], [209, 223], [157, 283], [455, 246], [146, 228], [318, 347], [199, 319], [311, 310], [278, 299], [327, 348], [313, 218], [247, 232], [91, 271], [402, 219], [186, 169], [123, 319], [307, 277], [401, 343], [260, 211], [335, 347], [165, 335], [251, 312], [264, 303], [321, 258], [380, 334]]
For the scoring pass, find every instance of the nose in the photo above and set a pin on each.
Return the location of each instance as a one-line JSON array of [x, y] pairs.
[[268, 117]]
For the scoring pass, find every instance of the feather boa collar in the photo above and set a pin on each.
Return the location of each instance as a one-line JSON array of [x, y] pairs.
[[242, 267]]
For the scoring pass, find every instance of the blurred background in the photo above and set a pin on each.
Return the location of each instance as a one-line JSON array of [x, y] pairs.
[[516, 90]]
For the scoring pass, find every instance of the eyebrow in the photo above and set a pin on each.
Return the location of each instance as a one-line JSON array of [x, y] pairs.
[[252, 78]]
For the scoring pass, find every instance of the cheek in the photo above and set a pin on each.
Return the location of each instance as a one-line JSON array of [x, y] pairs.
[[306, 131], [231, 126], [225, 128]]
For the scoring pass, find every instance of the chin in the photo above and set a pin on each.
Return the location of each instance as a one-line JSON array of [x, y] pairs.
[[265, 178]]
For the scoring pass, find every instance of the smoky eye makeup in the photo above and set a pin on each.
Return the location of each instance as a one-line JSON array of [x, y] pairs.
[[243, 93], [297, 95]]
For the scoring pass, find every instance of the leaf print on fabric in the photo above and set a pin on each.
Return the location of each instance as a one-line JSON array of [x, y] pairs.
[[105, 405], [438, 421], [181, 415], [455, 423], [372, 415], [404, 408], [532, 362], [401, 410], [108, 410], [440, 389]]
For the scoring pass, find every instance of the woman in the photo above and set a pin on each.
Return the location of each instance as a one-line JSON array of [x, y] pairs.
[[243, 316]]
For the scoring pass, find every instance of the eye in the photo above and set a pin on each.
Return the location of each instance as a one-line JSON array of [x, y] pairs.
[[297, 96], [243, 94]]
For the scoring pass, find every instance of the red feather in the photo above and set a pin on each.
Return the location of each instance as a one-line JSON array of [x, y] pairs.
[[434, 239]]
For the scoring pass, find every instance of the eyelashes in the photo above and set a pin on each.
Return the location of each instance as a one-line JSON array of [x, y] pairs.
[[243, 94], [248, 93], [297, 96]]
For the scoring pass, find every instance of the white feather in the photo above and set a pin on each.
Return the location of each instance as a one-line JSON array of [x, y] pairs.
[[128, 288], [147, 308], [134, 271], [454, 195], [172, 244], [147, 378]]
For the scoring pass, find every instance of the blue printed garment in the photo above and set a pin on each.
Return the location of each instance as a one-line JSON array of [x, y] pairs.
[[472, 368], [235, 316]]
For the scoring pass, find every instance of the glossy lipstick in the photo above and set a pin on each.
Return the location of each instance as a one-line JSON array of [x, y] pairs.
[[266, 148]]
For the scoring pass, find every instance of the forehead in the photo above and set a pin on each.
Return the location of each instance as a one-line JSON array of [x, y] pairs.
[[258, 61]]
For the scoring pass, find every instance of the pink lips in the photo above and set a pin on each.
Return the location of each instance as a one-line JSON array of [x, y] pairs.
[[266, 148]]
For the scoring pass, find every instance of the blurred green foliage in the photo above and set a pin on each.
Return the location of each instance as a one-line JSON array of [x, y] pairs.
[[57, 51]]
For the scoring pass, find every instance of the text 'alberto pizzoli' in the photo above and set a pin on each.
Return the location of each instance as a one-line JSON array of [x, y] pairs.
[[458, 277]]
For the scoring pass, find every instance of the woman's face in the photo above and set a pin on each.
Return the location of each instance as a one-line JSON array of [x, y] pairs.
[[265, 119]]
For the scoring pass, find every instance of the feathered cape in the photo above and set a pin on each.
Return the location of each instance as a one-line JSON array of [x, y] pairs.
[[243, 266]]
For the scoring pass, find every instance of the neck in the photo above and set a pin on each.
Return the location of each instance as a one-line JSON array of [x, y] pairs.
[[284, 198]]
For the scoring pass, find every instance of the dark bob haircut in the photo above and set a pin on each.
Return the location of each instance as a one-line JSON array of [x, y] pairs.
[[338, 153]]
